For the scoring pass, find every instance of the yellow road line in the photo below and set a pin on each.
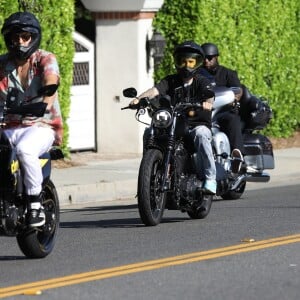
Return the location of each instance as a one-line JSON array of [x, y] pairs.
[[146, 266]]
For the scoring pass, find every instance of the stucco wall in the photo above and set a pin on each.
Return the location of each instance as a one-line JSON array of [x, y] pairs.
[[121, 63], [122, 29]]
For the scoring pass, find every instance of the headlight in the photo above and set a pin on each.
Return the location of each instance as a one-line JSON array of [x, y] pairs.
[[162, 118]]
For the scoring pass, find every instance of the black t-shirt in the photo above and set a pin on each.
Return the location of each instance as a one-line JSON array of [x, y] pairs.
[[221, 76], [199, 91]]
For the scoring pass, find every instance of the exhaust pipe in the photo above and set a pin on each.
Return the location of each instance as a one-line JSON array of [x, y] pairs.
[[253, 177], [258, 177], [238, 181]]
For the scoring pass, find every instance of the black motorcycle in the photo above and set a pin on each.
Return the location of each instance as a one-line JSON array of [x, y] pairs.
[[33, 242], [167, 174]]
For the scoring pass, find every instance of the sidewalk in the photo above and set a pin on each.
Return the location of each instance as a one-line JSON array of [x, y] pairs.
[[110, 180]]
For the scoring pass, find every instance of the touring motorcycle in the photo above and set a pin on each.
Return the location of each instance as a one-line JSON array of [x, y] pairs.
[[255, 114], [33, 242], [167, 175]]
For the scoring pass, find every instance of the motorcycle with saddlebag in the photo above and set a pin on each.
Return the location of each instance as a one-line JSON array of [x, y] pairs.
[[258, 151], [33, 242]]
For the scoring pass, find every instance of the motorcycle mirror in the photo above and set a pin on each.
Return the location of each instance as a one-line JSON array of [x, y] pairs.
[[130, 92], [48, 90]]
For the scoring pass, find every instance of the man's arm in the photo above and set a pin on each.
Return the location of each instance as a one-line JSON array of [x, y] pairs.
[[234, 81], [151, 93], [50, 79]]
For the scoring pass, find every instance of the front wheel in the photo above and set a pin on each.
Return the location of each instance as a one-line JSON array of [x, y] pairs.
[[151, 201], [201, 211], [39, 242], [235, 194]]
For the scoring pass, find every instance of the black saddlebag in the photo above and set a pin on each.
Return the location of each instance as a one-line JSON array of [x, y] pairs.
[[258, 152]]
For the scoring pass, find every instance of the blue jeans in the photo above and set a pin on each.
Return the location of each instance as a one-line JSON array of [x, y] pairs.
[[205, 163]]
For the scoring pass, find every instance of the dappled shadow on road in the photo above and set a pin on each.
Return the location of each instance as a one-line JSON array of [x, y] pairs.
[[11, 258], [115, 223], [97, 209], [109, 223]]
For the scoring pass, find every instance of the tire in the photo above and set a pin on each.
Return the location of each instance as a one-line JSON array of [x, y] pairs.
[[201, 211], [235, 194], [151, 202], [38, 243]]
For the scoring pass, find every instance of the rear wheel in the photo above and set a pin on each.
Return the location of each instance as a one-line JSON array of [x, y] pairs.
[[39, 242], [151, 201]]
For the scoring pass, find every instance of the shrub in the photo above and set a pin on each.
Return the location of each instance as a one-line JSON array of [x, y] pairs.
[[261, 47], [57, 21]]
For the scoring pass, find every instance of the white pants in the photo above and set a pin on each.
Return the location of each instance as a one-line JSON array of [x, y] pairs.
[[30, 143]]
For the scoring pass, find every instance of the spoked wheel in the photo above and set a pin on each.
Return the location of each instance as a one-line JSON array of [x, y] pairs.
[[151, 201], [200, 211], [39, 242]]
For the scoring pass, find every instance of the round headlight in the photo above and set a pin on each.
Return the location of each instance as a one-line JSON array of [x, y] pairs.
[[162, 118]]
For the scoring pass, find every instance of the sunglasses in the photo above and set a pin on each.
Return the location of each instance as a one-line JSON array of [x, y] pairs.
[[24, 36], [209, 57]]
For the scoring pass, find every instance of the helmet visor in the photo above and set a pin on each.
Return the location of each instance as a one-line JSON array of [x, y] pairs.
[[188, 60], [17, 36]]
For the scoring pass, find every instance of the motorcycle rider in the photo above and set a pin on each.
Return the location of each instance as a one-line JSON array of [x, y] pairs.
[[26, 68], [188, 57], [229, 121]]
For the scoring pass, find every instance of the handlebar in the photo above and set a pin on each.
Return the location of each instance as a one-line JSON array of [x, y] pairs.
[[189, 105], [179, 105], [143, 103], [14, 103], [130, 107], [33, 109]]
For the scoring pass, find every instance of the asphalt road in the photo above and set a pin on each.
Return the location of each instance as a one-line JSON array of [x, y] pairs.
[[245, 249]]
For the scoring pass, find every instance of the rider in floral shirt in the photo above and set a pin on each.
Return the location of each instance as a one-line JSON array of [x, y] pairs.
[[25, 69], [41, 64]]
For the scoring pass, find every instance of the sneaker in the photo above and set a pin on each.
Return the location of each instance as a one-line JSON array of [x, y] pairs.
[[210, 187], [36, 217], [237, 160]]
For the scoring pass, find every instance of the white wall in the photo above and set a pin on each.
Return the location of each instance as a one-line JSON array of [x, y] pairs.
[[120, 63], [81, 119], [122, 5]]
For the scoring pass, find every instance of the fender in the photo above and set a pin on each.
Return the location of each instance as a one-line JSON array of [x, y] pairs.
[[220, 142]]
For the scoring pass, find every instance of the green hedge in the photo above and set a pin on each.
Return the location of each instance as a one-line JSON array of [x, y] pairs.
[[57, 21], [258, 38]]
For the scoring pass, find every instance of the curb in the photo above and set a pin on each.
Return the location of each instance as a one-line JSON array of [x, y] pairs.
[[96, 192], [106, 181]]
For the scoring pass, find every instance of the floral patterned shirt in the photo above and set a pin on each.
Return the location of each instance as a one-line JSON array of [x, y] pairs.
[[41, 64]]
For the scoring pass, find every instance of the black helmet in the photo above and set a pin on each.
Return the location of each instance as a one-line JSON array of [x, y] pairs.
[[188, 49], [210, 49], [21, 22]]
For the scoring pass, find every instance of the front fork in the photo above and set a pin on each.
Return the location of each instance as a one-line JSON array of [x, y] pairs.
[[165, 183]]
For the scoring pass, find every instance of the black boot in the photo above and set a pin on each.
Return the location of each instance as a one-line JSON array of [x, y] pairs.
[[35, 215]]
